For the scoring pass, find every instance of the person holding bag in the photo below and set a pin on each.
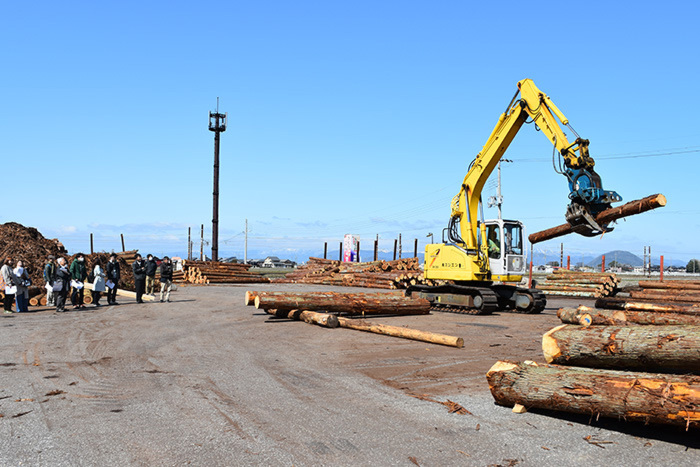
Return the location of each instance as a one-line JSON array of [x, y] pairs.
[[78, 273], [113, 276], [11, 281], [61, 283], [49, 275], [98, 284], [22, 294]]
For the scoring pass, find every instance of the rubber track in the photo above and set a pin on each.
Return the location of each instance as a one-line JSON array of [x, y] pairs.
[[490, 302]]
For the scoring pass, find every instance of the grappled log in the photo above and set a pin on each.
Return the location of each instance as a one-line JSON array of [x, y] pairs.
[[626, 304], [360, 303], [586, 316], [652, 348], [398, 331], [605, 217], [642, 397]]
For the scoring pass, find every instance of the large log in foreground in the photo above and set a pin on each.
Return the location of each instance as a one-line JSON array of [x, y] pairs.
[[350, 303], [653, 348], [643, 397], [605, 217], [398, 331]]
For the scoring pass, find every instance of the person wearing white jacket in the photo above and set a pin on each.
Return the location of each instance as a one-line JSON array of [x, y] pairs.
[[99, 285]]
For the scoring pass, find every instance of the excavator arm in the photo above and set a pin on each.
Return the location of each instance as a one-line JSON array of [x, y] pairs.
[[586, 192]]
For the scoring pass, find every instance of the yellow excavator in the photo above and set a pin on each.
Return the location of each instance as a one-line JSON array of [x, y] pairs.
[[478, 258]]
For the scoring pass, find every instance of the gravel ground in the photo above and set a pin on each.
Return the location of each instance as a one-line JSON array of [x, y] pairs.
[[206, 381]]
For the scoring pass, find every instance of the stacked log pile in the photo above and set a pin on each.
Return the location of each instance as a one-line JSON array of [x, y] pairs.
[[398, 274], [600, 362], [580, 284], [210, 272], [325, 309], [27, 244]]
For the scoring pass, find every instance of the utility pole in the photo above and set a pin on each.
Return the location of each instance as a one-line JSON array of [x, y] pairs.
[[498, 199], [245, 254], [189, 243], [217, 124], [400, 246], [201, 246]]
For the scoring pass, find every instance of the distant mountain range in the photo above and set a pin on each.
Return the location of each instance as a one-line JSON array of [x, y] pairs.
[[619, 256]]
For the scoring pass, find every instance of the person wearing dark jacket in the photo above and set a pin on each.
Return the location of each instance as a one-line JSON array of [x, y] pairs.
[[49, 275], [139, 268], [78, 272], [166, 278], [113, 276], [151, 268], [61, 284]]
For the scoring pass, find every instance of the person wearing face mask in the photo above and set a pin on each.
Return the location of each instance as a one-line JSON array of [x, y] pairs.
[[113, 276], [61, 284], [11, 282], [22, 295], [151, 268], [49, 275], [78, 274], [139, 269]]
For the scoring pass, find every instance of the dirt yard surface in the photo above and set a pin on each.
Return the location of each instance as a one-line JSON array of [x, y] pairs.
[[205, 380]]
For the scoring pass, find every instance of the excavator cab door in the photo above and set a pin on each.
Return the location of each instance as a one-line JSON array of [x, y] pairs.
[[505, 249]]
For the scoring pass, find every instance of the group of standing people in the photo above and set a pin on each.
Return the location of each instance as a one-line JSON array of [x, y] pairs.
[[61, 279]]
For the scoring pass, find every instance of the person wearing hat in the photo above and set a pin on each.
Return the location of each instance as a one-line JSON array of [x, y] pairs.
[[49, 276]]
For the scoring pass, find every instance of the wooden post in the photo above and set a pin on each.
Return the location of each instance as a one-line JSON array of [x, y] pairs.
[[201, 246], [529, 279], [358, 251], [91, 248], [376, 249], [340, 255], [395, 244], [400, 246], [661, 269], [602, 265], [123, 248], [415, 248], [325, 249], [568, 262], [189, 243]]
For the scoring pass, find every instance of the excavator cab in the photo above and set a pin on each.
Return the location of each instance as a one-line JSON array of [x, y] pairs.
[[506, 253]]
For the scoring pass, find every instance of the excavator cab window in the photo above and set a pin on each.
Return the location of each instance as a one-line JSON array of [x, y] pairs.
[[513, 239], [493, 235]]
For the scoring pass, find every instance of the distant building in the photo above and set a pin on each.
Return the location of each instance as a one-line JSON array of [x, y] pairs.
[[275, 262]]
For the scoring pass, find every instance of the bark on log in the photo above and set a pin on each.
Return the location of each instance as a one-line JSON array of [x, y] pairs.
[[625, 304], [652, 348], [124, 293], [605, 217], [666, 297], [642, 397], [312, 317], [344, 303], [398, 331], [586, 316], [685, 285]]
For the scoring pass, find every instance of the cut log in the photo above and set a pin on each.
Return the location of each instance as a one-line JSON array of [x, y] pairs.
[[666, 297], [605, 217], [312, 317], [686, 285], [642, 397], [586, 316], [398, 331], [625, 304], [250, 298], [344, 303], [653, 348], [122, 293]]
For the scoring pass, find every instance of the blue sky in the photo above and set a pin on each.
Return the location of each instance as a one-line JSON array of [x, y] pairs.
[[355, 117]]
